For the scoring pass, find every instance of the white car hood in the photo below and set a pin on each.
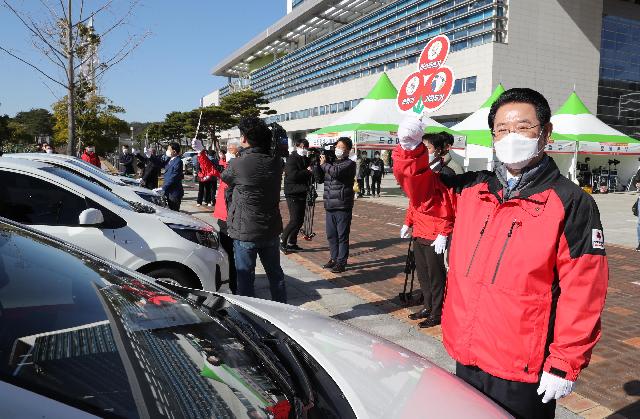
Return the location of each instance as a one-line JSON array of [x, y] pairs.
[[175, 217], [379, 378]]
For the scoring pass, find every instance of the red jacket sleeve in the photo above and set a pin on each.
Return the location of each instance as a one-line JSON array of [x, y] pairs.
[[431, 203], [583, 274], [206, 166], [408, 219]]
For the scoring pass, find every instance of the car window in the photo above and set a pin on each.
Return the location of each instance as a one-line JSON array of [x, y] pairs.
[[83, 332], [90, 186], [94, 170], [30, 200]]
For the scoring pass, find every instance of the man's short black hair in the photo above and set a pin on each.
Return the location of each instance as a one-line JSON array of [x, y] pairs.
[[346, 141], [522, 95], [302, 142], [125, 146], [376, 153], [175, 147], [255, 131], [439, 140]]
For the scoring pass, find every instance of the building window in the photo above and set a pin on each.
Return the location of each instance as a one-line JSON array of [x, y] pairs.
[[465, 85]]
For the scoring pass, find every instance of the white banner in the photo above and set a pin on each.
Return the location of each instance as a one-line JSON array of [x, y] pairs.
[[608, 148], [561, 146], [320, 140]]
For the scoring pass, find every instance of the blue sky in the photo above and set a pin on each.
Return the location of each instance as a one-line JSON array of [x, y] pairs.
[[169, 71]]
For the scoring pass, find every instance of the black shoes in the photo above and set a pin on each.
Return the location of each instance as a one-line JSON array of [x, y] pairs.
[[422, 314], [285, 249], [329, 265], [294, 247], [429, 322], [338, 268], [638, 248]]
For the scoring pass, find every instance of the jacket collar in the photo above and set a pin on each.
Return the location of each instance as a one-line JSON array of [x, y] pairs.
[[532, 183]]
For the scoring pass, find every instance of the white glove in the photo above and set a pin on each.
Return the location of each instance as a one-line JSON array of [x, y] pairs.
[[404, 232], [439, 244], [554, 387], [197, 145], [410, 132], [159, 191]]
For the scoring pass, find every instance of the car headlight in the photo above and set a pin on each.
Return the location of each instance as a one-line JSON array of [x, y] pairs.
[[158, 200], [202, 236]]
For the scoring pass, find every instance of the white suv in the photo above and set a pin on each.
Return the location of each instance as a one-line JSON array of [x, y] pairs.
[[156, 242], [90, 172]]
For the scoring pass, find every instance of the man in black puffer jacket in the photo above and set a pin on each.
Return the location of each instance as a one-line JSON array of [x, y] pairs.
[[297, 177], [253, 220], [338, 203]]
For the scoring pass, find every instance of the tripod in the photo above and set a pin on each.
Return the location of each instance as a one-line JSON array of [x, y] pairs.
[[409, 269], [309, 211]]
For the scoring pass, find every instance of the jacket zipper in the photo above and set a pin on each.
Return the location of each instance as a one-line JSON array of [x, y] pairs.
[[473, 256], [504, 247]]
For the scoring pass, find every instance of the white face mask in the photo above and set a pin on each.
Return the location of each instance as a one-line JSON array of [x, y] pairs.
[[516, 151], [90, 150], [302, 152], [339, 152], [229, 156], [169, 153], [49, 151]]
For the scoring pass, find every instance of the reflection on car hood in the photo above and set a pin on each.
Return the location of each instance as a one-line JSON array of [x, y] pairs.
[[379, 378], [175, 217]]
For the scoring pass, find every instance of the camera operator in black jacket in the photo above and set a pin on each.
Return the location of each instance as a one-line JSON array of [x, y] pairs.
[[253, 219], [339, 177], [297, 179]]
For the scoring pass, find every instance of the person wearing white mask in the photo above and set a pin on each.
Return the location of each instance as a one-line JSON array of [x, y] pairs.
[[338, 197], [297, 178], [528, 271]]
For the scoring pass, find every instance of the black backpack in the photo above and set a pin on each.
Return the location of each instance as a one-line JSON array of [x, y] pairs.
[[634, 208]]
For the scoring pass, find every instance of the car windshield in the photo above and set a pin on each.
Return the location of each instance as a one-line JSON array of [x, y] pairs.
[[90, 335], [86, 184], [94, 171]]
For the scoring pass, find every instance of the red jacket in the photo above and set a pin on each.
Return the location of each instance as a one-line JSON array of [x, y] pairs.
[[91, 158], [431, 204], [207, 169], [220, 210], [528, 276]]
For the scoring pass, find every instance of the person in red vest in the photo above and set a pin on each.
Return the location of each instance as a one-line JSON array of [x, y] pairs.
[[528, 270], [89, 155]]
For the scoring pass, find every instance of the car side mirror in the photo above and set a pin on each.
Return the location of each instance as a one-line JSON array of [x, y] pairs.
[[91, 217]]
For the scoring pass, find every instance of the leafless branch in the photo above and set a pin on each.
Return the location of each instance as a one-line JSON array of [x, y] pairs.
[[50, 9], [47, 53], [33, 28], [100, 9], [122, 20], [127, 49], [32, 66]]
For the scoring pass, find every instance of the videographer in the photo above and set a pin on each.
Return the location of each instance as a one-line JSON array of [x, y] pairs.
[[254, 220], [339, 177], [297, 177]]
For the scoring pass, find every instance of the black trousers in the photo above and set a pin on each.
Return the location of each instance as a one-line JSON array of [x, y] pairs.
[[338, 225], [361, 186], [174, 204], [296, 219], [519, 399], [366, 185], [205, 191], [227, 244], [432, 275], [375, 183]]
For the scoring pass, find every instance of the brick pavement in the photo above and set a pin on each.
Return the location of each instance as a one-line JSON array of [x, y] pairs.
[[611, 384]]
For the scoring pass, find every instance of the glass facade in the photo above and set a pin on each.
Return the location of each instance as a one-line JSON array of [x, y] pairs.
[[619, 85], [390, 37]]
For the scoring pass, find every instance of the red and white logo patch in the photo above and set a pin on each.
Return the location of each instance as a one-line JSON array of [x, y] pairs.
[[597, 239]]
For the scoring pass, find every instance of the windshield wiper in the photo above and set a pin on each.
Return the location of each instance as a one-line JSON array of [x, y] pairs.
[[142, 208]]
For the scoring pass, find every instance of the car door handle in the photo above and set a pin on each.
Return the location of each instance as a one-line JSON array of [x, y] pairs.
[[127, 241]]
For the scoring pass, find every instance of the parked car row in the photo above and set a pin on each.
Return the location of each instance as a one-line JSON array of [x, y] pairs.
[[101, 316]]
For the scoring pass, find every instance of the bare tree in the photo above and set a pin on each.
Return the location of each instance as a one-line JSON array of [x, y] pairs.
[[64, 34]]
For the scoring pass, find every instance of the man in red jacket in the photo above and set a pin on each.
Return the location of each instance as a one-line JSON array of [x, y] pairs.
[[89, 155], [528, 271]]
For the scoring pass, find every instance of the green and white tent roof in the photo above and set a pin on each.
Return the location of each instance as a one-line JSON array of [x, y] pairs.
[[574, 121], [376, 112], [476, 127]]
